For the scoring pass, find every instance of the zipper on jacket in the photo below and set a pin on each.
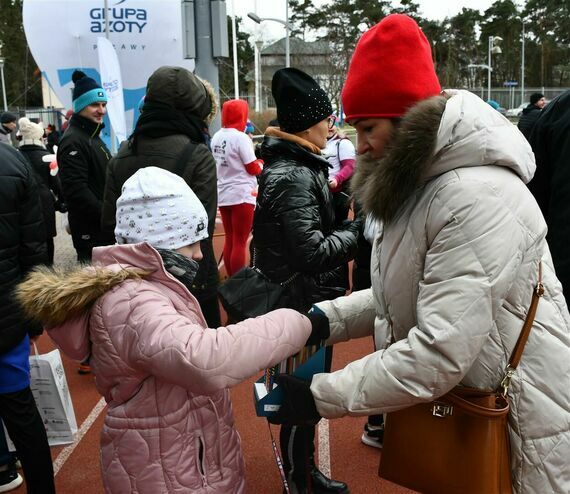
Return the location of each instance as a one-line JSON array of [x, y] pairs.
[[201, 460], [95, 131], [385, 308]]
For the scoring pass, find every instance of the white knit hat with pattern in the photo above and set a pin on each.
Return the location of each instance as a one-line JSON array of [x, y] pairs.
[[158, 207]]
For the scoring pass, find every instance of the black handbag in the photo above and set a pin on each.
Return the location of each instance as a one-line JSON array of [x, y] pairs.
[[249, 293]]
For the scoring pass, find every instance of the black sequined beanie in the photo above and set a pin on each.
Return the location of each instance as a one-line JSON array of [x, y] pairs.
[[301, 102]]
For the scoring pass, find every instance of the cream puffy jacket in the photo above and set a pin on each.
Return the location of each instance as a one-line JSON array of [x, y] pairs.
[[453, 273]]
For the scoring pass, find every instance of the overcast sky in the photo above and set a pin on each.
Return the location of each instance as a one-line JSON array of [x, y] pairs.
[[270, 31]]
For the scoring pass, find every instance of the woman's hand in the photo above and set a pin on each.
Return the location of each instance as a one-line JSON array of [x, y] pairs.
[[333, 183], [298, 407]]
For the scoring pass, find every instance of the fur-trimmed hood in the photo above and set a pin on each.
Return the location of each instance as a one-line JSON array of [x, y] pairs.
[[437, 135], [54, 296], [183, 90], [62, 300]]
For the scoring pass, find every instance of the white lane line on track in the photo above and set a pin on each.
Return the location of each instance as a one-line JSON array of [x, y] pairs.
[[324, 448], [65, 453]]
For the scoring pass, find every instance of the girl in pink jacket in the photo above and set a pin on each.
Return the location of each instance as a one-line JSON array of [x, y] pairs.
[[165, 375]]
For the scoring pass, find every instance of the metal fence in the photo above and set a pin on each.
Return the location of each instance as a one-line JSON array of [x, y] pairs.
[[512, 97], [54, 116]]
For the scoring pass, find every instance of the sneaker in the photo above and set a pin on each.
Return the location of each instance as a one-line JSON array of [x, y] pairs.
[[373, 435], [84, 368], [10, 480], [16, 460]]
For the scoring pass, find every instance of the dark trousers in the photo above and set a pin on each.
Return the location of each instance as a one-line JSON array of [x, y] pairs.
[[298, 452], [24, 425], [84, 254], [210, 307], [50, 249], [341, 205], [298, 444], [6, 457]]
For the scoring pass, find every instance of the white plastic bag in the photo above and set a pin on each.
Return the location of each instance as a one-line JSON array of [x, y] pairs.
[[51, 394], [49, 387]]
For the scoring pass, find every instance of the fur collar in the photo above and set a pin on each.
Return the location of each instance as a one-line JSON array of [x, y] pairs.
[[213, 100], [382, 186], [53, 296], [277, 132]]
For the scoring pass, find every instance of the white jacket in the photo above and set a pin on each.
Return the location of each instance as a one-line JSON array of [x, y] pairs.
[[453, 274]]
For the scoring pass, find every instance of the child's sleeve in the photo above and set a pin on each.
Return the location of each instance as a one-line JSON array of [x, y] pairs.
[[176, 349]]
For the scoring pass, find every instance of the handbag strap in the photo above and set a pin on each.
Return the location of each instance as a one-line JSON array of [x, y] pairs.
[[525, 332]]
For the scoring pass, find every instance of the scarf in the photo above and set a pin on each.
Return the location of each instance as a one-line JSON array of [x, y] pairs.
[[277, 132], [179, 266], [159, 120]]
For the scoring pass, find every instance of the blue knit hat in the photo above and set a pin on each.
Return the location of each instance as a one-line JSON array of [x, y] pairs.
[[86, 91]]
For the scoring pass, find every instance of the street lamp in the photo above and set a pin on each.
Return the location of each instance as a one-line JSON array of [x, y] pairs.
[[258, 45], [2, 77], [522, 62], [3, 83], [259, 20], [235, 54], [493, 41], [474, 66]]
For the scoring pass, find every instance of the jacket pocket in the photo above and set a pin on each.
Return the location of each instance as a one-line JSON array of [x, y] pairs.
[[201, 460]]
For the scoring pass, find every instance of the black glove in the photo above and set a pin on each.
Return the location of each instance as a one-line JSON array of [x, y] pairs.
[[298, 406], [320, 328]]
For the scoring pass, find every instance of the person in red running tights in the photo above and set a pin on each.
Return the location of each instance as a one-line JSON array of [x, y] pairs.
[[237, 168]]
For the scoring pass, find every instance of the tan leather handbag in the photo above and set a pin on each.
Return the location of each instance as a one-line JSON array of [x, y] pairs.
[[458, 443]]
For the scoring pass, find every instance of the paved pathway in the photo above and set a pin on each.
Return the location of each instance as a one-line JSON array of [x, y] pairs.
[[65, 255]]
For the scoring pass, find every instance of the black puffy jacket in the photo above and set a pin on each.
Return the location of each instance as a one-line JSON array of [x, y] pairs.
[[293, 226], [22, 241]]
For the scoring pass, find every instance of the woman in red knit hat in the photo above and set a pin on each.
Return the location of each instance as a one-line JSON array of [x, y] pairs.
[[453, 266]]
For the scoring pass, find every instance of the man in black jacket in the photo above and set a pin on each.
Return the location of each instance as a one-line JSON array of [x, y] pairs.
[[22, 246], [7, 127], [82, 157], [531, 113], [550, 141]]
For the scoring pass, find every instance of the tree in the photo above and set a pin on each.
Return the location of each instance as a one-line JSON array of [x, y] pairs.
[[548, 25], [456, 41], [301, 11], [23, 81], [502, 19], [454, 46], [341, 23]]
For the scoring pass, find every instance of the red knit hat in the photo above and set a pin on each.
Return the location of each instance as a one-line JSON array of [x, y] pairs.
[[391, 69]]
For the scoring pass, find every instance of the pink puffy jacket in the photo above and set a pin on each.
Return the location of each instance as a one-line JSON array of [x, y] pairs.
[[165, 376]]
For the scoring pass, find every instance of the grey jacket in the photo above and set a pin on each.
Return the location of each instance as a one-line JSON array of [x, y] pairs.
[[453, 273]]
